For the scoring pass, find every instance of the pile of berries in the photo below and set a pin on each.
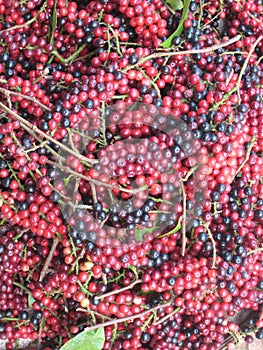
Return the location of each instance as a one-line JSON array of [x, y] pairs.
[[131, 172]]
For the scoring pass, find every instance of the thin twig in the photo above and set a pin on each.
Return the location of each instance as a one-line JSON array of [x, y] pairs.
[[26, 23], [92, 53], [41, 328], [247, 155], [21, 286], [31, 99], [93, 192], [81, 309], [210, 235], [146, 323], [76, 262], [190, 172], [104, 221], [76, 186], [113, 337], [49, 258], [40, 132], [186, 52], [211, 20], [117, 291], [246, 63], [104, 278], [230, 76], [183, 226], [250, 252], [224, 99], [128, 318], [161, 320], [97, 182], [41, 144], [174, 230]]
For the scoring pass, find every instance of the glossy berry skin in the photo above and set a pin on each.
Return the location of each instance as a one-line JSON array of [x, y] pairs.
[[131, 172]]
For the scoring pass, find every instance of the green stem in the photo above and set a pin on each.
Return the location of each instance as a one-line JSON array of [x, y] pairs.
[[13, 173], [8, 319], [114, 336], [160, 71], [174, 230], [210, 235], [160, 200], [255, 251], [22, 287], [242, 71], [26, 23], [103, 125], [83, 289], [190, 172], [59, 57], [73, 247], [247, 155], [40, 331], [2, 221], [143, 327], [28, 126], [116, 39], [200, 13], [19, 235], [70, 59], [76, 263], [54, 22], [225, 98]]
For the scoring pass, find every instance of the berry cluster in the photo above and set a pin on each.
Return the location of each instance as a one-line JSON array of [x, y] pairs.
[[131, 191]]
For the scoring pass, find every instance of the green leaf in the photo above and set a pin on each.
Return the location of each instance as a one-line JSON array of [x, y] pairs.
[[30, 300], [169, 42], [140, 232], [66, 180], [146, 293], [86, 340], [175, 4]]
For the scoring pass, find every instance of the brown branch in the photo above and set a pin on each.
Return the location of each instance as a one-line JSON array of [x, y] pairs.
[[31, 99], [34, 128], [117, 291], [76, 186], [210, 235], [81, 309], [161, 320], [105, 220], [186, 52], [40, 331], [97, 182], [183, 225], [128, 318], [246, 63], [93, 192], [49, 258], [253, 139], [104, 278]]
